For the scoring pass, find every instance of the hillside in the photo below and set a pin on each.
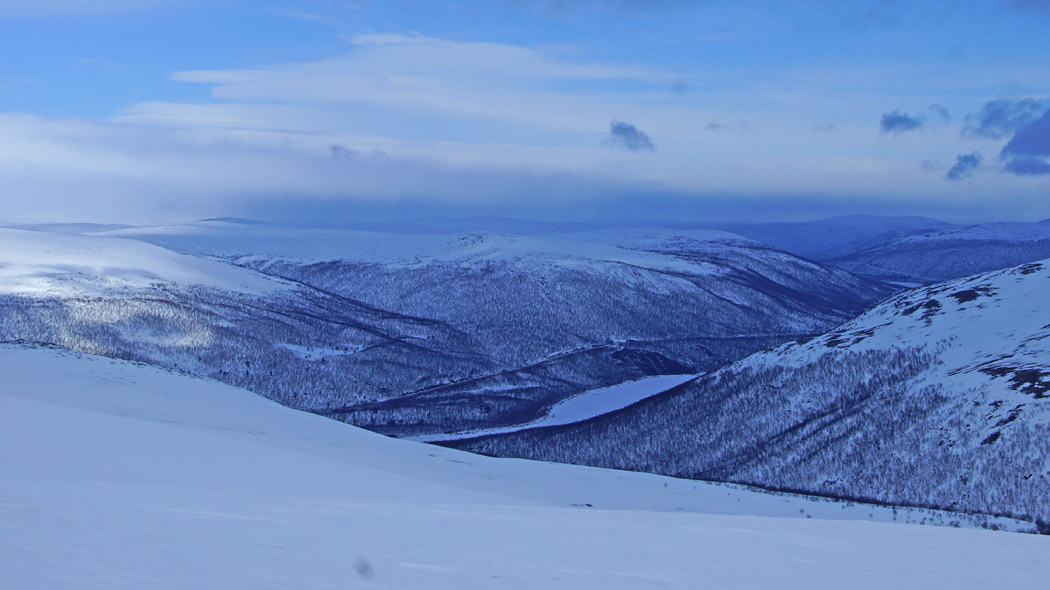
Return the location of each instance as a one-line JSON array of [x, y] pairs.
[[951, 253], [936, 397], [294, 344]]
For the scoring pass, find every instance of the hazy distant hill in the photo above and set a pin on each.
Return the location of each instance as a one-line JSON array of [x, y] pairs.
[[837, 236], [951, 253]]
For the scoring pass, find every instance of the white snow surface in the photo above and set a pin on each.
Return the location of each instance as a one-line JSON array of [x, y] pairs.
[[608, 399], [124, 476], [46, 263], [971, 323], [584, 406]]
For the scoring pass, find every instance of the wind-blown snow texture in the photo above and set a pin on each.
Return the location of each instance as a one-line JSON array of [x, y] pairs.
[[128, 476], [938, 397], [418, 334]]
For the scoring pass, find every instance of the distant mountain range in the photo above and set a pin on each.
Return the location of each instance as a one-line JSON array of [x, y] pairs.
[[837, 236], [951, 253], [906, 250], [416, 334]]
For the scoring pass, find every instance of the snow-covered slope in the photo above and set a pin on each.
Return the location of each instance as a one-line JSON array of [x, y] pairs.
[[951, 253], [133, 300], [558, 311], [44, 263], [127, 476], [936, 397]]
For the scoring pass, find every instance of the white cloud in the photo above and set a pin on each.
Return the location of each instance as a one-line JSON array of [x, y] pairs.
[[71, 169], [420, 89], [493, 84], [487, 123]]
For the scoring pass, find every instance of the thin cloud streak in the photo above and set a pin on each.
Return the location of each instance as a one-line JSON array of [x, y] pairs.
[[118, 172]]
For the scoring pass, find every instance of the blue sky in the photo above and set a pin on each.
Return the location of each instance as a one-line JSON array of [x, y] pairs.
[[152, 110]]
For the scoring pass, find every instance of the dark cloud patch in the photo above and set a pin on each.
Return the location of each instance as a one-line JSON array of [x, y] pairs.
[[1028, 151], [999, 118], [941, 112], [339, 151], [680, 86], [1032, 139], [965, 166], [899, 122], [716, 127], [1027, 166], [628, 136], [342, 152]]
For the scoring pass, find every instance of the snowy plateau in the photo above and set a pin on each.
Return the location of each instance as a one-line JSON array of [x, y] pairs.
[[204, 405]]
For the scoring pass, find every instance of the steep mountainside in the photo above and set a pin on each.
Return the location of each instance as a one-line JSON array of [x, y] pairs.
[[938, 397], [952, 253]]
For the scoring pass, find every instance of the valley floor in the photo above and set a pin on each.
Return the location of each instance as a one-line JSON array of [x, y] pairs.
[[116, 475]]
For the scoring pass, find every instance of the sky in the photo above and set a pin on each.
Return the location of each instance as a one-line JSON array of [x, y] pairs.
[[164, 110]]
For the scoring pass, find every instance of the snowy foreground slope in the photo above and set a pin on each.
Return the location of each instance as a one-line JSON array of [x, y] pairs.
[[938, 397], [115, 475]]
